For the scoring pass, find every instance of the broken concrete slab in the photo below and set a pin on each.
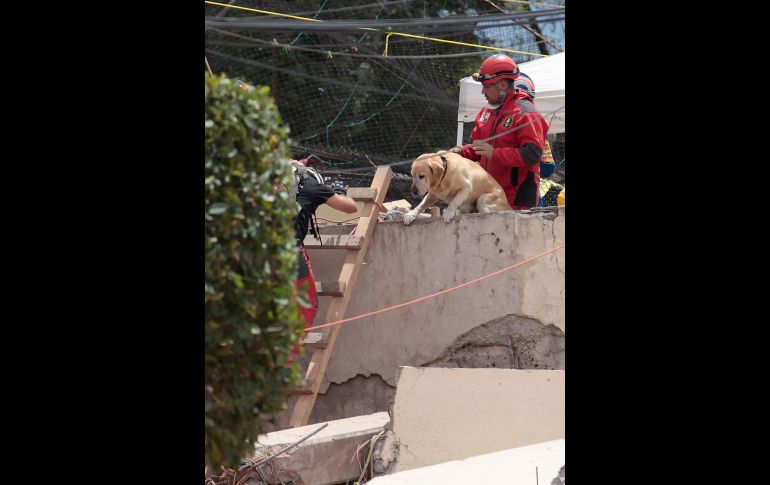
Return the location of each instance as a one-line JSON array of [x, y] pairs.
[[441, 415], [325, 458], [541, 463]]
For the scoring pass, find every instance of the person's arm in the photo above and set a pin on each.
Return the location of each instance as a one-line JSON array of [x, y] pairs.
[[530, 150], [340, 200], [342, 203], [466, 151]]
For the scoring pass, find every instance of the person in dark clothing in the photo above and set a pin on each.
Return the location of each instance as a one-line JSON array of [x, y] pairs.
[[310, 191]]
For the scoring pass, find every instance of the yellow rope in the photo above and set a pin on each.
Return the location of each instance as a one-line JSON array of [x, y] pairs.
[[385, 54], [387, 38], [263, 11]]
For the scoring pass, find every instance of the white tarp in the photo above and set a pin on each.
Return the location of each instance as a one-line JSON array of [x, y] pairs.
[[548, 75]]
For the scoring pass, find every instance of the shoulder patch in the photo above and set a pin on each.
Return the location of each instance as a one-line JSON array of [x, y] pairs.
[[508, 122]]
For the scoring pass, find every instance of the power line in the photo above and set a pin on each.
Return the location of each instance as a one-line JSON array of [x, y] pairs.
[[385, 26]]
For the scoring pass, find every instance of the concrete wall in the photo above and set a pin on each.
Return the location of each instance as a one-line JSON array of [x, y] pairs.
[[514, 320], [442, 415], [542, 463]]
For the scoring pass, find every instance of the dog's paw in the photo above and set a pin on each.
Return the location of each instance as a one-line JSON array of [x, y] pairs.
[[449, 215], [409, 217]]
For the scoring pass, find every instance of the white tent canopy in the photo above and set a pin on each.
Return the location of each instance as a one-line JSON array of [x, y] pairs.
[[548, 75]]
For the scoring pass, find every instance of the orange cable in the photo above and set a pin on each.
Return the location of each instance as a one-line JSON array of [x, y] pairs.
[[400, 305]]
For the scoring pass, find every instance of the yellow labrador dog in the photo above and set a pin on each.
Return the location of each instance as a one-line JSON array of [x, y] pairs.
[[459, 182]]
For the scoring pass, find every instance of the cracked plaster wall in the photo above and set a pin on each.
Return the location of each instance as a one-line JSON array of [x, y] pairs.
[[406, 262]]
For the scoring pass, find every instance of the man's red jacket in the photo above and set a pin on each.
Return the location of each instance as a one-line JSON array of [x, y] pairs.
[[519, 131]]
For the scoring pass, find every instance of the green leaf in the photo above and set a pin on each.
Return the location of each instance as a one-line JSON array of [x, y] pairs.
[[236, 279], [217, 208]]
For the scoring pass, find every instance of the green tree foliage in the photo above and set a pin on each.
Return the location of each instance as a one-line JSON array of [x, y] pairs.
[[252, 321]]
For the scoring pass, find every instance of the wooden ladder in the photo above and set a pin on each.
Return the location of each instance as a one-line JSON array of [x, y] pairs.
[[322, 342]]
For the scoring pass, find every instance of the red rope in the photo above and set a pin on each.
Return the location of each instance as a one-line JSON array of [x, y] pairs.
[[401, 305]]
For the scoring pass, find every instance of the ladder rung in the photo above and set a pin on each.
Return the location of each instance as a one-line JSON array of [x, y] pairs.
[[316, 340], [365, 194], [330, 288], [339, 241]]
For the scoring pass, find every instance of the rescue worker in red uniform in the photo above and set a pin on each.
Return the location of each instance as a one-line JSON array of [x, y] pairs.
[[548, 189], [508, 136]]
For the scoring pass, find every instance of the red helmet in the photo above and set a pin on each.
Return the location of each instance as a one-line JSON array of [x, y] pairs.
[[495, 68]]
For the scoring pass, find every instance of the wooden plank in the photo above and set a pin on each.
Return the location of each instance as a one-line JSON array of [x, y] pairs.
[[337, 241], [338, 306], [401, 203], [366, 194], [299, 391], [330, 288]]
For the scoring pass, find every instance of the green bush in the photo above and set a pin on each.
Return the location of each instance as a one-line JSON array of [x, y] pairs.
[[252, 321]]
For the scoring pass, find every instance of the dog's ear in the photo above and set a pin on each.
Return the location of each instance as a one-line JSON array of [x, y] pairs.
[[436, 171]]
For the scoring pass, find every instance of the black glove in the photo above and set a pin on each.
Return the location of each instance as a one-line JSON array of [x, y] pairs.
[[338, 188]]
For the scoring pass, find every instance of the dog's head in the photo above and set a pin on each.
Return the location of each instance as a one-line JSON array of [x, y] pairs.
[[427, 170]]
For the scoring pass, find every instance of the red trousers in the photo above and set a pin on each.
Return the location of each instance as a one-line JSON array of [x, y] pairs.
[[308, 313]]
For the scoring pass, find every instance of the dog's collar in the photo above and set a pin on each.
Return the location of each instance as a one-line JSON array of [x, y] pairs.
[[443, 159]]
